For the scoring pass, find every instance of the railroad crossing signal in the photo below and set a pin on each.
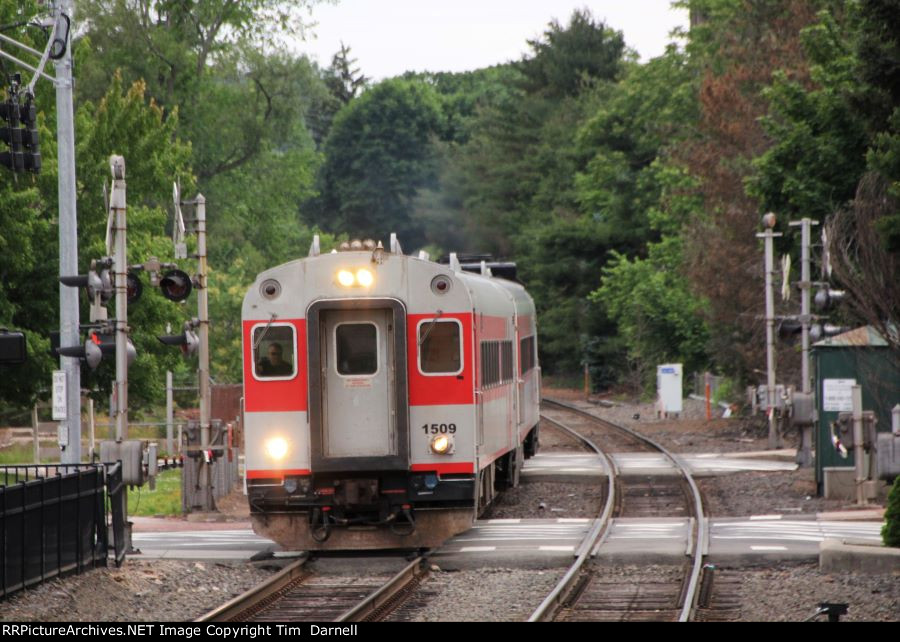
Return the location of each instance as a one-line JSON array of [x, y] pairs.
[[99, 285], [99, 343], [176, 285], [188, 340]]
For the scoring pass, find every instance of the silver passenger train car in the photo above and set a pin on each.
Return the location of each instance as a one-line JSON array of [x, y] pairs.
[[387, 398]]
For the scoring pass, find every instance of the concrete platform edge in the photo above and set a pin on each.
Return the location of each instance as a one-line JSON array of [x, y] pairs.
[[836, 556]]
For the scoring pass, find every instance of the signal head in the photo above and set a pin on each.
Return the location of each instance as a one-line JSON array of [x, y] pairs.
[[176, 285]]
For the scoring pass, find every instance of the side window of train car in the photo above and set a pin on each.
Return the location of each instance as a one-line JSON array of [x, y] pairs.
[[490, 364], [506, 361], [274, 354], [356, 349], [440, 347], [526, 350]]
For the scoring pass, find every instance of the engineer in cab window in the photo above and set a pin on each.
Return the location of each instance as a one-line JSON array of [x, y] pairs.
[[274, 364]]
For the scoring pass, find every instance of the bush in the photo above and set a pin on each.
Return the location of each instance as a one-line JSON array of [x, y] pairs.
[[890, 533]]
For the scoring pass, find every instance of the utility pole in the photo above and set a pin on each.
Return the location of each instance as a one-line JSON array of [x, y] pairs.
[[170, 405], [769, 236], [805, 455], [120, 270], [207, 502], [69, 331]]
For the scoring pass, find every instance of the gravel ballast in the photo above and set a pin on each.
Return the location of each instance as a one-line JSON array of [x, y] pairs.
[[140, 591], [482, 595]]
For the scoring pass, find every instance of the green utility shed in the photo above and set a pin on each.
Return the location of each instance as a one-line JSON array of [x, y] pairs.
[[863, 357]]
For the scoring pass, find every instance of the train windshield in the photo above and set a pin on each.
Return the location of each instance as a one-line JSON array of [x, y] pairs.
[[273, 351], [356, 349], [439, 347]]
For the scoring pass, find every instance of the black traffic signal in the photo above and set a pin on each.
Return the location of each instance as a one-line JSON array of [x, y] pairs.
[[176, 285], [188, 340], [30, 140], [11, 133], [19, 130], [12, 348]]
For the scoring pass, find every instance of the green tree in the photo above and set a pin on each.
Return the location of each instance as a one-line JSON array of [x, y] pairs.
[[656, 313], [378, 154], [890, 532]]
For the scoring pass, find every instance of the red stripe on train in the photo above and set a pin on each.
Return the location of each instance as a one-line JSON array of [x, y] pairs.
[[275, 474], [444, 469]]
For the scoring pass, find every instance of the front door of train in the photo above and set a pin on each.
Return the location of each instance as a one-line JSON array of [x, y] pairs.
[[358, 401], [359, 417]]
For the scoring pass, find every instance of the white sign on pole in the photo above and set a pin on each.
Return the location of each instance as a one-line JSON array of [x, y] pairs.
[[837, 395], [59, 395]]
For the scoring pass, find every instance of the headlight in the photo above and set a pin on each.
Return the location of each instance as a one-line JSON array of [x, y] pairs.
[[442, 444], [345, 278], [365, 278], [277, 448]]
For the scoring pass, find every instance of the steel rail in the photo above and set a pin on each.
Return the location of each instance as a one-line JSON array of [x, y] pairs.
[[560, 593], [258, 595], [399, 585], [702, 534]]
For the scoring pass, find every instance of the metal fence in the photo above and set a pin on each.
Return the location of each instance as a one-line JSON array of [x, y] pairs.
[[715, 382], [224, 474], [53, 521]]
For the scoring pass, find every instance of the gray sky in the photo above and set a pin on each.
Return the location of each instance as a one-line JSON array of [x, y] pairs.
[[389, 37]]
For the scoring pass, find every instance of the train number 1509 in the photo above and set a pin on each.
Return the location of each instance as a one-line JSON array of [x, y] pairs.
[[435, 429]]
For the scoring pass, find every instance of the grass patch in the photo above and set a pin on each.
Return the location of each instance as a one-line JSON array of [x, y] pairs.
[[165, 500], [22, 454]]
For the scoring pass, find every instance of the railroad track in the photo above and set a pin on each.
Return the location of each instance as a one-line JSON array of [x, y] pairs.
[[584, 593], [296, 594]]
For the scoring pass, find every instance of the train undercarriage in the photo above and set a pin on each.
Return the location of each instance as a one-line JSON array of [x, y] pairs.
[[389, 510]]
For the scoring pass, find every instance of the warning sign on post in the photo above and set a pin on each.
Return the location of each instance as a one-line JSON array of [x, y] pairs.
[[837, 395], [59, 395]]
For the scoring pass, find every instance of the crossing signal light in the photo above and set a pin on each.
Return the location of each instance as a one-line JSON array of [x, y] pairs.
[[188, 340], [819, 331], [789, 328], [134, 287], [89, 352], [827, 298], [176, 285], [98, 281], [96, 346]]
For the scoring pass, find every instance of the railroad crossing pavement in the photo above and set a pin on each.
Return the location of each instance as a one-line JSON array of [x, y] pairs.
[[544, 543], [731, 539], [571, 466], [211, 545]]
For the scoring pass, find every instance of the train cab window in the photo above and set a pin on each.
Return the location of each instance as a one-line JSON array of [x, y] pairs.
[[440, 347], [356, 349], [273, 352]]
